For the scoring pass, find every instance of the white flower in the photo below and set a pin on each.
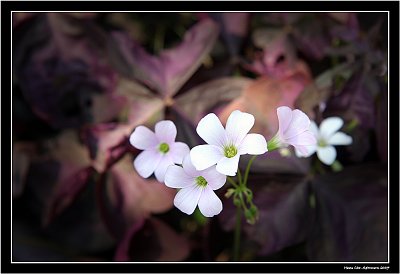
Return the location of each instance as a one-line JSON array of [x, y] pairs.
[[197, 187], [328, 136], [160, 149], [226, 145], [294, 129]]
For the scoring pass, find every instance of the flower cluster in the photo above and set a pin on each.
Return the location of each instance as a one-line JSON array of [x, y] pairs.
[[198, 172]]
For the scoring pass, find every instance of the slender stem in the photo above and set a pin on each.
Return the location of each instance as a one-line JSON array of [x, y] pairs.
[[240, 177], [232, 181], [246, 174], [236, 246]]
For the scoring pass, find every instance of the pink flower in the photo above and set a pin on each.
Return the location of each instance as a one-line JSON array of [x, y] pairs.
[[328, 136], [294, 129], [197, 188], [160, 149], [226, 145]]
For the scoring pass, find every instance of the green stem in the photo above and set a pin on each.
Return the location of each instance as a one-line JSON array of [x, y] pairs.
[[232, 182], [246, 174], [240, 177], [236, 246]]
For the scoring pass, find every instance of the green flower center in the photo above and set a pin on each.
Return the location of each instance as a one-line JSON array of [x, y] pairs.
[[230, 151], [163, 148], [200, 181], [322, 143]]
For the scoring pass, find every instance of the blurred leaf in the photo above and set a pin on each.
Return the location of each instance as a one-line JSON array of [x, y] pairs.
[[167, 72], [311, 36], [351, 220], [106, 142], [317, 93], [348, 29], [21, 157], [152, 240], [141, 104], [73, 175], [127, 197], [284, 218], [277, 57], [262, 97], [234, 28], [353, 102], [209, 97]]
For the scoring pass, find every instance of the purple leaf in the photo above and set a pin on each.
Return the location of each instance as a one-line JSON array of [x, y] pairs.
[[351, 222], [126, 197], [22, 153], [152, 240], [209, 97], [284, 218], [167, 72], [234, 28], [311, 37], [354, 102]]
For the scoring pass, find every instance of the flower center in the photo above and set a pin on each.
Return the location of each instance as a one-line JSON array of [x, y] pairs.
[[200, 181], [322, 143], [230, 151], [163, 148]]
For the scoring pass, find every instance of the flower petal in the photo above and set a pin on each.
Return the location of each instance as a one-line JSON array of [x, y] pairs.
[[146, 162], [254, 144], [161, 169], [284, 118], [188, 167], [300, 123], [214, 179], [340, 138], [327, 154], [209, 203], [306, 138], [228, 166], [166, 131], [187, 199], [177, 151], [314, 129], [176, 177], [238, 125], [305, 151], [329, 126], [211, 130], [143, 138], [204, 156]]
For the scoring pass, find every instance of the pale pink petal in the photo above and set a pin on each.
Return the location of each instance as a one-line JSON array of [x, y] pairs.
[[306, 138], [161, 169], [327, 154], [209, 203], [329, 126], [177, 151], [340, 138], [176, 177], [146, 162], [228, 166], [166, 131], [188, 167], [204, 156], [284, 118], [214, 179], [300, 123], [143, 138], [187, 199], [254, 144], [211, 130], [305, 151], [238, 125]]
